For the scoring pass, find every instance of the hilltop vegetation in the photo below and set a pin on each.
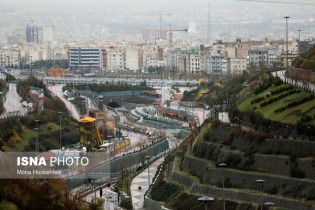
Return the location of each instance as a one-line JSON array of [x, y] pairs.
[[306, 60], [283, 103], [37, 194]]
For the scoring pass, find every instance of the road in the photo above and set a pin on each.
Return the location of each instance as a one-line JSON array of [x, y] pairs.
[[281, 75], [12, 103], [140, 184], [57, 91]]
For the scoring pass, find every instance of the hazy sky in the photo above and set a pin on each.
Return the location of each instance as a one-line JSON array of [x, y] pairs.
[[97, 15]]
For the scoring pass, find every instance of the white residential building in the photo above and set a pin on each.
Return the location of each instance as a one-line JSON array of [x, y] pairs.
[[132, 58], [115, 61], [9, 58], [154, 63], [193, 63]]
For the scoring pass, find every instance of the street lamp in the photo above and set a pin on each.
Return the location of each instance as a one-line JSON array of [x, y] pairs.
[[148, 158], [60, 114], [260, 182], [206, 200], [31, 66], [203, 105], [37, 129], [268, 204], [93, 182], [287, 51], [222, 165]]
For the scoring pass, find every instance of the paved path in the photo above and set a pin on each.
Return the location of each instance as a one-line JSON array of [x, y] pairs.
[[142, 180], [12, 103], [57, 91], [281, 75]]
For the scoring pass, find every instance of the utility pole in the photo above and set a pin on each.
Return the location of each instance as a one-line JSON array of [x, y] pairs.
[[287, 37], [31, 66], [60, 114]]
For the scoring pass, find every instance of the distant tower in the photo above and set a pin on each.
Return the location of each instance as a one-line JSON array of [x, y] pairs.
[[192, 27]]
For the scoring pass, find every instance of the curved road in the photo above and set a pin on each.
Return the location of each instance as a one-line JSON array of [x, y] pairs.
[[57, 91]]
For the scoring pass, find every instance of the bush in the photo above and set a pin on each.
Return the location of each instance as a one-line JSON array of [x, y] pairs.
[[126, 203], [258, 99], [295, 103], [282, 89], [277, 98], [164, 191]]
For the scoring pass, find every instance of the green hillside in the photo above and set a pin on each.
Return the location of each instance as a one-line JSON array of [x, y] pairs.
[[283, 103]]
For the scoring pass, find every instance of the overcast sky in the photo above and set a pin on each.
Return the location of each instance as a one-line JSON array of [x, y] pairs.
[[140, 14]]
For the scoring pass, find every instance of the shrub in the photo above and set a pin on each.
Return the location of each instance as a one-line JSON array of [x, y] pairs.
[[295, 103]]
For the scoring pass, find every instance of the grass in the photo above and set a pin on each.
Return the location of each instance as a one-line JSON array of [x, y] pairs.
[[291, 115]]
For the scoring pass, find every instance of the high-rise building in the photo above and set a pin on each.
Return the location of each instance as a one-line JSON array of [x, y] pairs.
[[34, 34], [39, 34]]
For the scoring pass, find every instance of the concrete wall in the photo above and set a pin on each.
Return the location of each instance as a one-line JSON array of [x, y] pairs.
[[230, 194]]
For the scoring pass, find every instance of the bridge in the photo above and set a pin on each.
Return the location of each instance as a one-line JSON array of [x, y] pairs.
[[98, 80]]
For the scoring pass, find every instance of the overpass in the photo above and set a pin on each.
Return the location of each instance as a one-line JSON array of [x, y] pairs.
[[97, 80]]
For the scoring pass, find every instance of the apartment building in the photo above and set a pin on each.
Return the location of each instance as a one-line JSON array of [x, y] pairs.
[[173, 57], [9, 58], [115, 60], [214, 64], [237, 66], [193, 63], [132, 58], [154, 63], [258, 57], [39, 34]]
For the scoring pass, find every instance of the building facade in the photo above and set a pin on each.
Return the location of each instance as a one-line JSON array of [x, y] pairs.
[[9, 58], [214, 64], [193, 63], [258, 57], [237, 66], [115, 60], [132, 58], [88, 58], [173, 57]]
